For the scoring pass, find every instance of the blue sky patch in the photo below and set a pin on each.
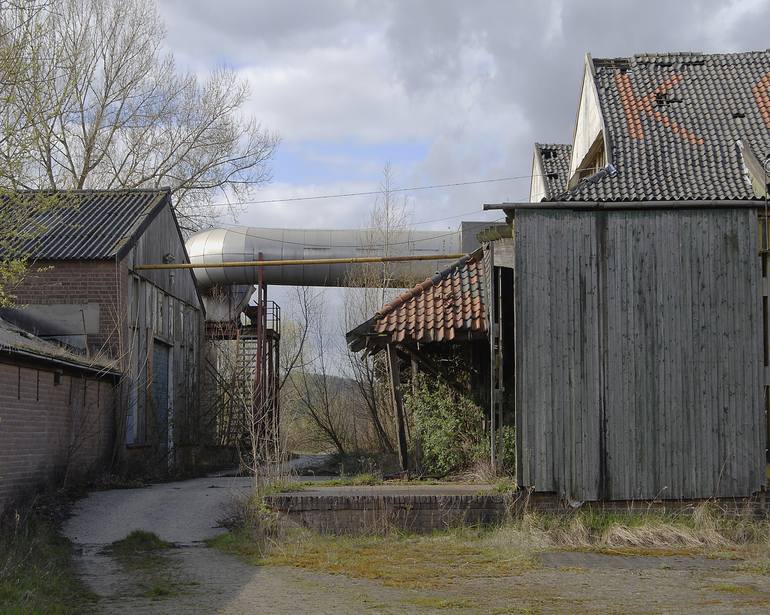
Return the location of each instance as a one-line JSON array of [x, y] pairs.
[[320, 162]]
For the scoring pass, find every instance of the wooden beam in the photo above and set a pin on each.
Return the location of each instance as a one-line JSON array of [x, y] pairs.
[[398, 406]]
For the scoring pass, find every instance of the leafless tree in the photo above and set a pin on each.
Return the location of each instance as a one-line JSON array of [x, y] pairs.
[[101, 105], [368, 290], [320, 395]]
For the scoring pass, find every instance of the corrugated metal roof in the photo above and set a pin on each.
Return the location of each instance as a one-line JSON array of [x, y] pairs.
[[447, 307], [82, 224], [14, 340]]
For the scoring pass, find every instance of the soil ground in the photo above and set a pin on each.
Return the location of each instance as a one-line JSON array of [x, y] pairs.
[[199, 579]]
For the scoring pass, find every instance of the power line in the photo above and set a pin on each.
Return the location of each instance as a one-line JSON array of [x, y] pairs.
[[372, 192]]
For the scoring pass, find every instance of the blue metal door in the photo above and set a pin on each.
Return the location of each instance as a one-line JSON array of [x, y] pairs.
[[160, 392]]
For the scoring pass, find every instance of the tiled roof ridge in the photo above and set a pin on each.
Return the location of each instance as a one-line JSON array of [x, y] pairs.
[[420, 288], [665, 56]]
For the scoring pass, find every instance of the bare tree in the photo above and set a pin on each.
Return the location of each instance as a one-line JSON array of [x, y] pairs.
[[319, 395], [101, 105], [368, 290]]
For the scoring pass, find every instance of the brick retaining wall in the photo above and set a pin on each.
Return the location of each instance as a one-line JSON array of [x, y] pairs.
[[376, 512]]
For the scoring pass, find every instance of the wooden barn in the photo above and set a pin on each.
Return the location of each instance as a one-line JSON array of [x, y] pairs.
[[638, 363], [640, 286]]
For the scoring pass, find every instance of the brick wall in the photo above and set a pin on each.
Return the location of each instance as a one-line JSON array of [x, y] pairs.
[[65, 282], [368, 512], [51, 432]]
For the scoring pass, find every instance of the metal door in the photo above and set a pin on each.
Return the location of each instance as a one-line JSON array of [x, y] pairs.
[[160, 399]]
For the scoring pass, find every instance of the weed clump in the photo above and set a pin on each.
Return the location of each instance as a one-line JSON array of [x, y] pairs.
[[36, 568], [253, 527], [137, 543]]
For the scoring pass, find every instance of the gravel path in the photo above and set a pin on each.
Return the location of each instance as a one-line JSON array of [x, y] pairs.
[[206, 581], [184, 512]]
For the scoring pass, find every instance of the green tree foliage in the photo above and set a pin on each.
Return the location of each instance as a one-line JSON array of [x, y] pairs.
[[448, 425]]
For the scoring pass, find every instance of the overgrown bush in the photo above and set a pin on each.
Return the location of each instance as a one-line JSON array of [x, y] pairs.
[[448, 425]]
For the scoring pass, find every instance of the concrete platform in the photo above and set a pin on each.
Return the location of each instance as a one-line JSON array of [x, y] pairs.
[[427, 508]]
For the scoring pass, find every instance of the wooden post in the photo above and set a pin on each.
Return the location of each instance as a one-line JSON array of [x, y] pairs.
[[398, 406]]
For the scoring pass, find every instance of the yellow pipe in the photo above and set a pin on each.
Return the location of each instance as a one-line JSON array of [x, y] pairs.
[[311, 261]]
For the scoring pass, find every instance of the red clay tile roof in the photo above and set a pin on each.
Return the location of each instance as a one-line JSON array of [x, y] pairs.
[[447, 307]]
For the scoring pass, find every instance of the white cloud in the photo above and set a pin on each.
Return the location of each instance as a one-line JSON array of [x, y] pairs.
[[475, 84]]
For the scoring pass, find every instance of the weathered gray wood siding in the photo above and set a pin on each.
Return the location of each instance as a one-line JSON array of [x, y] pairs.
[[160, 239], [163, 308], [638, 353]]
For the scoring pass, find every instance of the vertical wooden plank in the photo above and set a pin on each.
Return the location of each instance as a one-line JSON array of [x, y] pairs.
[[523, 334], [547, 450], [398, 406]]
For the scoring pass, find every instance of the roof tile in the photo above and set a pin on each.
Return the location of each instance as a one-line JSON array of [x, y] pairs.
[[438, 309], [672, 123]]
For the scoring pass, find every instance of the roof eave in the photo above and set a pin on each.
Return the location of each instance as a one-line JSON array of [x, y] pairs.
[[70, 364], [640, 205]]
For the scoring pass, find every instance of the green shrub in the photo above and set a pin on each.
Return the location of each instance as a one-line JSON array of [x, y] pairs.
[[448, 425]]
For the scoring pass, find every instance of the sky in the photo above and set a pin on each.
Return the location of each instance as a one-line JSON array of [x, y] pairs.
[[445, 91]]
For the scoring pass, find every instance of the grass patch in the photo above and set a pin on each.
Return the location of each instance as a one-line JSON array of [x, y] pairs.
[[755, 565], [143, 556], [357, 480], [455, 558], [161, 588], [137, 543], [241, 542], [729, 588], [434, 561], [36, 568], [278, 486], [434, 602]]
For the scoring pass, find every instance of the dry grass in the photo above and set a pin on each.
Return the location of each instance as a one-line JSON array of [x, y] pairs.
[[705, 531], [454, 570], [438, 561]]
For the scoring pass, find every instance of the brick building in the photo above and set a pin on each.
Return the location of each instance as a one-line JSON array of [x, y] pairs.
[[84, 290], [56, 412]]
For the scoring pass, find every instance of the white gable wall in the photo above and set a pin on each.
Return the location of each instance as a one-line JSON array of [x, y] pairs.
[[588, 126], [537, 183]]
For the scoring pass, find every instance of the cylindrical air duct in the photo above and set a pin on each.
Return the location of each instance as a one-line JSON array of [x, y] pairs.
[[242, 243]]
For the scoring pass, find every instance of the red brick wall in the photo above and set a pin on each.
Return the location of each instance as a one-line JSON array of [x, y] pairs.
[[49, 432], [103, 282]]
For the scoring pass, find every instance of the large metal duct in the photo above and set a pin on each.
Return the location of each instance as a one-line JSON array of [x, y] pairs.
[[242, 243]]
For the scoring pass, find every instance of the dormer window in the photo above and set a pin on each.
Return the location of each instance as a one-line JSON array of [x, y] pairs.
[[595, 160]]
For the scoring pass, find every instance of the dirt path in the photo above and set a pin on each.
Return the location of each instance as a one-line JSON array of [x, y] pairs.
[[197, 579], [202, 580]]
